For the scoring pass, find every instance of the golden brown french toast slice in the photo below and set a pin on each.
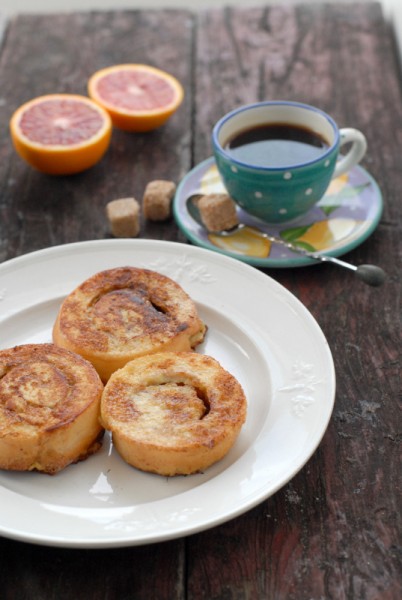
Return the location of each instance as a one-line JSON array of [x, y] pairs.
[[123, 313], [173, 413], [49, 408]]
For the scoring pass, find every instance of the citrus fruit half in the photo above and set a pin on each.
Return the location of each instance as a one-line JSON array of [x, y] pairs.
[[61, 134], [137, 97]]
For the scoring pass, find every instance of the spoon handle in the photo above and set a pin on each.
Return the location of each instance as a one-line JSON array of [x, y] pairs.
[[370, 274]]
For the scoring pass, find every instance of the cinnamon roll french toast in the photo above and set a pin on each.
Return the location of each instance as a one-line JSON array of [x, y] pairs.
[[123, 313], [173, 413], [49, 408]]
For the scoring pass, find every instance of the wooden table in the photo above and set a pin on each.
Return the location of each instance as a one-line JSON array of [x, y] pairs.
[[334, 531]]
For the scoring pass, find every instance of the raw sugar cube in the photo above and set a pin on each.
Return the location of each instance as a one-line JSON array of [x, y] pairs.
[[157, 199], [217, 212], [124, 217]]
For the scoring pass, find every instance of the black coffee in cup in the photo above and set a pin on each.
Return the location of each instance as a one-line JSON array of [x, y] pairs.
[[276, 145]]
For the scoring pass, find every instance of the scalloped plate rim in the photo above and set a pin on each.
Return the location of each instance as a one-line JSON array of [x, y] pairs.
[[296, 355]]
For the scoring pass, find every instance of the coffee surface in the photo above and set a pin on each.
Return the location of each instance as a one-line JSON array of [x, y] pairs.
[[276, 145]]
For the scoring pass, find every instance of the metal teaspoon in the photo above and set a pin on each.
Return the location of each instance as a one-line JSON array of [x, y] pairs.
[[369, 274]]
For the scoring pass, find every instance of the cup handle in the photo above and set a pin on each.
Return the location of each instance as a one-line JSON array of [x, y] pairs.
[[356, 152]]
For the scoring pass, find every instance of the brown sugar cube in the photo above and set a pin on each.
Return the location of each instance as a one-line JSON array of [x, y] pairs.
[[217, 212], [124, 217], [157, 199]]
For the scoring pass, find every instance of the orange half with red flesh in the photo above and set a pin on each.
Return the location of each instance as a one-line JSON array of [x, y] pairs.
[[137, 97], [61, 134]]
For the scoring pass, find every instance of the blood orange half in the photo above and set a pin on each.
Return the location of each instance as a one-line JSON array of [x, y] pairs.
[[61, 134], [137, 97]]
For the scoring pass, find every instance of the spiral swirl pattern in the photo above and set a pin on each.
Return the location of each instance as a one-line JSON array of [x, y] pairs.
[[173, 413], [120, 314], [49, 408]]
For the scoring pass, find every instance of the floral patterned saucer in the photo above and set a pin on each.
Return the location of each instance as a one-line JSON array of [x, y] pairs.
[[345, 217]]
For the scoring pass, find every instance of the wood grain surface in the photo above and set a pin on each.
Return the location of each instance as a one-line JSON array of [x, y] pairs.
[[334, 531]]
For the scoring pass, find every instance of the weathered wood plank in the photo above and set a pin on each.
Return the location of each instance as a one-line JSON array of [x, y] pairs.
[[46, 54], [57, 54], [3, 25], [333, 531], [154, 572]]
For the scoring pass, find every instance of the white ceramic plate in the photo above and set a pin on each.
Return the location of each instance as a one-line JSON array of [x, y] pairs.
[[257, 330]]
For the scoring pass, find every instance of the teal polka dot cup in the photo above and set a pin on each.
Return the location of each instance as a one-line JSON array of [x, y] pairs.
[[277, 159]]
